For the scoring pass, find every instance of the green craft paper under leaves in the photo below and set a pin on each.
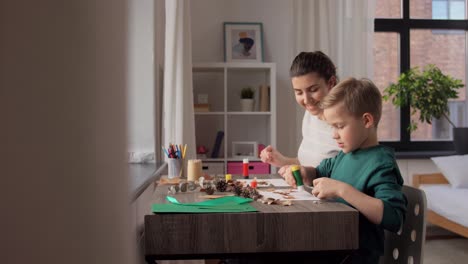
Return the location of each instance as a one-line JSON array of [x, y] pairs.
[[228, 204]]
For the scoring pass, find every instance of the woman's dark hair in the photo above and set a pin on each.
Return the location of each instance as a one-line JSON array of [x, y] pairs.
[[308, 62]]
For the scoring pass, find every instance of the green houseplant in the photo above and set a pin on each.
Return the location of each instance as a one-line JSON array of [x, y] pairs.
[[247, 99], [247, 93], [427, 92]]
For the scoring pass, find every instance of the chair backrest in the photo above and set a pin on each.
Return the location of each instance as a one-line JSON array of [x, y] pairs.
[[406, 246]]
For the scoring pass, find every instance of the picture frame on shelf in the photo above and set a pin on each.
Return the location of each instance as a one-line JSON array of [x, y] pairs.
[[243, 42], [244, 149]]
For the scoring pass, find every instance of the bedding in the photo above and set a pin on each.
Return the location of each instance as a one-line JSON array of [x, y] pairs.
[[447, 201]]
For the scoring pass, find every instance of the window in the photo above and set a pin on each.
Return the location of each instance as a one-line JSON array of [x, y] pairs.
[[426, 32], [448, 9]]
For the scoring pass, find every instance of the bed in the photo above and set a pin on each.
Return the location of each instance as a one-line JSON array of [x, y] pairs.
[[447, 207]]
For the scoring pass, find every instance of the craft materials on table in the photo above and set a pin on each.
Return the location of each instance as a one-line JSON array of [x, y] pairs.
[[194, 169], [245, 168], [175, 151], [289, 194], [267, 183], [296, 171], [254, 183], [227, 204], [228, 177], [176, 155], [229, 190]]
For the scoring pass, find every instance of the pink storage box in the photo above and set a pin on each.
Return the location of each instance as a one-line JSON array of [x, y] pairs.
[[255, 167]]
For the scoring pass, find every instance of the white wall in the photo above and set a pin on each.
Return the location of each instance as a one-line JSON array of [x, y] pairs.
[[141, 80], [409, 167], [208, 17]]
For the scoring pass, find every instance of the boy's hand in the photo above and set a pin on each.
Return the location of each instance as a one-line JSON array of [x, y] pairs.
[[326, 188], [272, 156]]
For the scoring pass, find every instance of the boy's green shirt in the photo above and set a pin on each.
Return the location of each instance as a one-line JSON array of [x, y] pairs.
[[373, 171]]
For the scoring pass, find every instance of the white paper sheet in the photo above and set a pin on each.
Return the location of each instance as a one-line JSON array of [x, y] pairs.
[[297, 195], [272, 182]]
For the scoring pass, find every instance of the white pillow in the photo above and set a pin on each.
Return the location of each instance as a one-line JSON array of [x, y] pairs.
[[454, 168]]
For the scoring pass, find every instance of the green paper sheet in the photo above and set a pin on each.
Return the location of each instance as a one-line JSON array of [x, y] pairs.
[[228, 204], [214, 202]]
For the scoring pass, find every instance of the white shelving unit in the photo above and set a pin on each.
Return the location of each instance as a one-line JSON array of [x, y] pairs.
[[222, 82]]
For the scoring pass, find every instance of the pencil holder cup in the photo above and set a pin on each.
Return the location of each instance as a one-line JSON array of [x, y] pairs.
[[174, 168]]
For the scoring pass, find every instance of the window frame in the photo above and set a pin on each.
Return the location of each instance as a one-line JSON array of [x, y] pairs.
[[403, 26]]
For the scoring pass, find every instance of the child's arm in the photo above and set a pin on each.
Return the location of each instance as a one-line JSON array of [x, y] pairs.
[[387, 205], [370, 207]]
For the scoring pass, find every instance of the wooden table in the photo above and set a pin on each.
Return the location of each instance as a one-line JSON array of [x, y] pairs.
[[303, 228]]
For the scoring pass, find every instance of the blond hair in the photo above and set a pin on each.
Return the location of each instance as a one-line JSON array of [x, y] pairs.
[[359, 97]]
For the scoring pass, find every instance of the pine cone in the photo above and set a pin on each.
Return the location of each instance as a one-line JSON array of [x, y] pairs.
[[209, 189], [221, 185], [254, 194], [237, 189], [249, 192], [246, 192]]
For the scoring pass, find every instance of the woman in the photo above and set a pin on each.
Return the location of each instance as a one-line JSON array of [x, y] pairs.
[[312, 74]]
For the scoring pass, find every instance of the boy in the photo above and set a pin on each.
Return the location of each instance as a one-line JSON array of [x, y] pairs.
[[364, 174]]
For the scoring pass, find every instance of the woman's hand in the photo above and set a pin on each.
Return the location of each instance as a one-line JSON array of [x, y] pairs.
[[272, 156]]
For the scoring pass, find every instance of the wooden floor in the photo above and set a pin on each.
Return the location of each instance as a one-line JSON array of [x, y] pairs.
[[444, 247], [441, 247], [446, 251]]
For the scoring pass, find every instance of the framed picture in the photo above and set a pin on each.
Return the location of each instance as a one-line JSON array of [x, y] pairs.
[[243, 42]]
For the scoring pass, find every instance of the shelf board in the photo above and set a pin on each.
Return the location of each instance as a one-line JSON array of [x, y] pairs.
[[249, 113], [233, 113], [209, 113], [228, 159], [210, 160], [240, 159], [209, 66]]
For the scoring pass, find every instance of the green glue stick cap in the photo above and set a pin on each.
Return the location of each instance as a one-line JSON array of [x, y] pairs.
[[296, 171]]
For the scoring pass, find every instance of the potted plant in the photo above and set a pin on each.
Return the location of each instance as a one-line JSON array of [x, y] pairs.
[[428, 92], [247, 99]]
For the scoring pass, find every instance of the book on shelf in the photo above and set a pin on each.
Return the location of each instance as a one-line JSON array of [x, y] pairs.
[[264, 98], [201, 107], [217, 144]]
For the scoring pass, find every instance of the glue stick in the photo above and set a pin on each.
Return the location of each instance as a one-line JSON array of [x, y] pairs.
[[296, 171], [228, 177], [245, 168]]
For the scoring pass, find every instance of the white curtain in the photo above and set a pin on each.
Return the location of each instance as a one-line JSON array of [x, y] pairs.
[[179, 124], [342, 29]]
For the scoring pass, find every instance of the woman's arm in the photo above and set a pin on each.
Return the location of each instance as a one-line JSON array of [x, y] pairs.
[[272, 156]]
